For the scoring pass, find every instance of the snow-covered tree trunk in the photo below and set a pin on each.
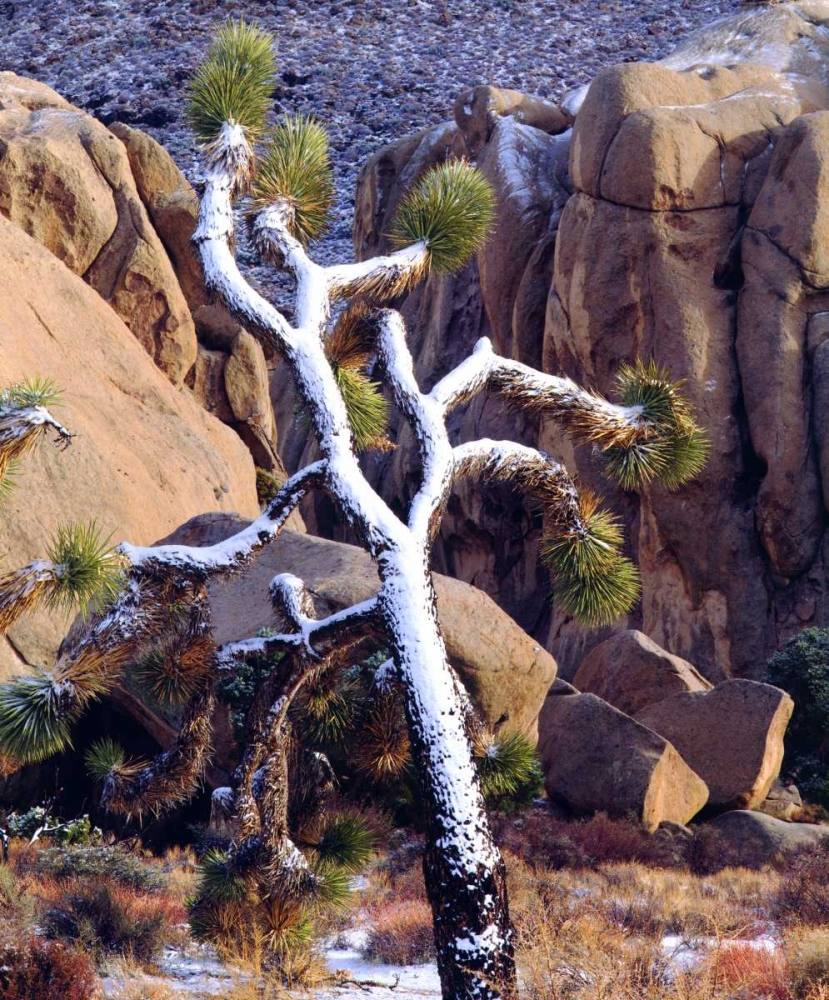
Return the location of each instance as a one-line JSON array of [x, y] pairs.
[[463, 870]]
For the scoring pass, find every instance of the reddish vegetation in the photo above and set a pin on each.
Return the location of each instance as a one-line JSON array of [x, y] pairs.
[[46, 970]]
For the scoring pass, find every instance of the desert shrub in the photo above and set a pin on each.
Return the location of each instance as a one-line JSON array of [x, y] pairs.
[[801, 667], [107, 919], [236, 688], [540, 838], [40, 820], [803, 893], [107, 862], [751, 973], [808, 955], [267, 485], [401, 933], [46, 970]]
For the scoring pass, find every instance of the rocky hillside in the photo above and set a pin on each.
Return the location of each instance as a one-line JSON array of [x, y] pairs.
[[680, 218]]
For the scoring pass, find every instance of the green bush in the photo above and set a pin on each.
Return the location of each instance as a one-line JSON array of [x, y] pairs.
[[26, 825], [801, 667], [99, 862]]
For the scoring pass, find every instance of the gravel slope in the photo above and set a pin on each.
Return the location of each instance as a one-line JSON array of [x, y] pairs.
[[373, 71]]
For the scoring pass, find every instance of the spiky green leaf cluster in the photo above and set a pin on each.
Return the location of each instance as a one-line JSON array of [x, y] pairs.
[[675, 450], [592, 580], [450, 210], [30, 392], [368, 411], [34, 721], [8, 479], [346, 842], [295, 168], [234, 83], [326, 709], [103, 757], [173, 672], [218, 881], [508, 763], [331, 887], [89, 573]]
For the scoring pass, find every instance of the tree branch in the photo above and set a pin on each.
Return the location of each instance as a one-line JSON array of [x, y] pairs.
[[426, 417], [381, 277], [587, 416], [318, 636], [234, 552]]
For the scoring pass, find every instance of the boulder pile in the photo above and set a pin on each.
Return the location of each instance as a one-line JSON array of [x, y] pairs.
[[648, 737], [681, 217]]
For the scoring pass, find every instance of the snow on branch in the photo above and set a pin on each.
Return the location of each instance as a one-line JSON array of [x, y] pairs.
[[379, 278], [234, 552]]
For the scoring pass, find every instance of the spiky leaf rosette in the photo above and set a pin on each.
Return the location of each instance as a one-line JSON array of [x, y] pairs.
[[30, 392], [21, 428], [219, 880], [8, 478], [346, 842], [383, 748], [295, 170], [505, 763], [173, 672], [36, 716], [450, 210], [592, 580], [107, 757], [234, 83], [325, 708], [349, 352], [88, 571], [675, 449]]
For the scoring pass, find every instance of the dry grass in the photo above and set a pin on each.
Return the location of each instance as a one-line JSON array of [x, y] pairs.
[[401, 934]]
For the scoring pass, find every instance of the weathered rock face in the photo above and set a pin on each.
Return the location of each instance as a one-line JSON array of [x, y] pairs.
[[752, 839], [688, 228], [506, 673], [66, 180], [630, 672], [230, 377], [595, 758], [731, 736], [782, 802], [146, 454]]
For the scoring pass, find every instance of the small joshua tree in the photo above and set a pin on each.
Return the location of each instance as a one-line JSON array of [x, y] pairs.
[[162, 617]]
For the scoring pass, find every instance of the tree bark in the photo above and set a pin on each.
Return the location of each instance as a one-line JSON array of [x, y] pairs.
[[463, 870]]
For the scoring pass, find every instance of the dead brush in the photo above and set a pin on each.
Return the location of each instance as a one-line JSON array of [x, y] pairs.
[[401, 933]]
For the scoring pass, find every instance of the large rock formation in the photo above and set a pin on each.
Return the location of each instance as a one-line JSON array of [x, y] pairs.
[[596, 758], [146, 455], [731, 736], [752, 839], [631, 672], [682, 218], [506, 673], [66, 180]]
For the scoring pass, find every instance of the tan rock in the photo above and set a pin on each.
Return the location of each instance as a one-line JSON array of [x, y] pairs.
[[731, 736], [146, 454], [631, 672], [597, 759], [506, 673], [478, 110], [752, 839], [207, 380], [782, 802], [84, 207], [173, 207]]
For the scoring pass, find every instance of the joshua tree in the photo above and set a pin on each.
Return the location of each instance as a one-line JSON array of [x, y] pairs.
[[284, 176]]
